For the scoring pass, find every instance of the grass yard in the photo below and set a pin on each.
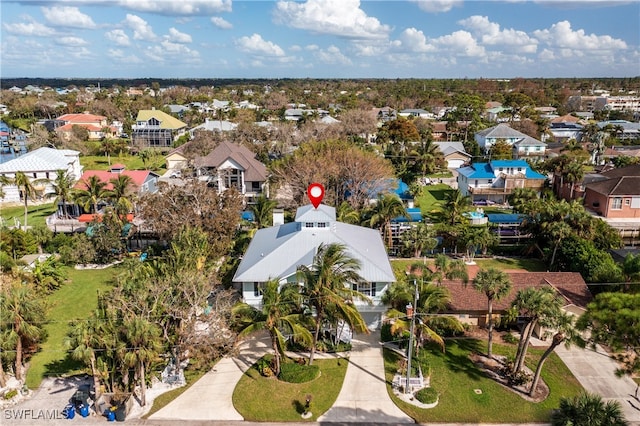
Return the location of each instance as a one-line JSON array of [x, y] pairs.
[[133, 162], [430, 197], [36, 214], [262, 399], [74, 300], [532, 265], [456, 379]]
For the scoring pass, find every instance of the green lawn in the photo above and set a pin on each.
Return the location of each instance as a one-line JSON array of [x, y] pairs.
[[132, 162], [532, 265], [430, 196], [456, 379], [74, 300], [37, 214], [262, 399]]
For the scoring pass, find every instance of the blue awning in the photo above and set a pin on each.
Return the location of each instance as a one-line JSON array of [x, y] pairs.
[[505, 218]]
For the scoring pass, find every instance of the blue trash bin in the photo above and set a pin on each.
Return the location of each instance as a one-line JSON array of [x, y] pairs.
[[83, 410], [69, 412], [111, 416]]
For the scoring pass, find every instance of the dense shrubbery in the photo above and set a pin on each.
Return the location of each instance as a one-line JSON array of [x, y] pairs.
[[293, 372], [427, 395]]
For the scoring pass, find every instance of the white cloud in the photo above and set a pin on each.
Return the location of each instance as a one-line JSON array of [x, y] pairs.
[[81, 53], [176, 36], [221, 23], [435, 6], [72, 41], [561, 35], [342, 18], [141, 29], [256, 45], [332, 55], [29, 29], [64, 16], [118, 37], [415, 41], [179, 7], [118, 55], [460, 43], [491, 34]]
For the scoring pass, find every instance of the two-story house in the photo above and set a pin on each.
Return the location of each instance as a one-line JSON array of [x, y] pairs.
[[277, 252], [232, 165], [156, 129], [96, 125], [494, 181], [503, 132], [614, 196], [40, 165]]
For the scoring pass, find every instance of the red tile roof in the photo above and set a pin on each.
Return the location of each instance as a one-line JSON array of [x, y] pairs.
[[82, 118], [570, 285]]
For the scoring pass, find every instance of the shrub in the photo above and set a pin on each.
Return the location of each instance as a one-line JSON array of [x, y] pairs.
[[427, 395], [292, 372], [510, 338], [385, 333], [10, 394]]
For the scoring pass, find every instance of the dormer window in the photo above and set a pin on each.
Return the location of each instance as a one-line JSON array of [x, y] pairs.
[[322, 225], [308, 224]]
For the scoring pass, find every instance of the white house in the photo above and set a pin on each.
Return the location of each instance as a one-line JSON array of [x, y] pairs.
[[276, 253], [42, 163], [494, 181], [502, 132], [454, 153]]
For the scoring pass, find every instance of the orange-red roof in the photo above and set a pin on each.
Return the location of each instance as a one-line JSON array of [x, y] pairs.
[[82, 118], [69, 126], [137, 177], [90, 217]]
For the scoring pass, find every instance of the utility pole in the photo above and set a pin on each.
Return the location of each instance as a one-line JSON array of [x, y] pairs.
[[411, 311]]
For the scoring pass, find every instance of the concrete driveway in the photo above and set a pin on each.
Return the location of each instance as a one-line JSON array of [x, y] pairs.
[[364, 397], [595, 371]]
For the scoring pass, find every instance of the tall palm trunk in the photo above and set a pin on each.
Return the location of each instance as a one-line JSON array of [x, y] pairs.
[[276, 354], [19, 358], [490, 342], [96, 377], [523, 345], [143, 386], [3, 382], [316, 336], [558, 338]]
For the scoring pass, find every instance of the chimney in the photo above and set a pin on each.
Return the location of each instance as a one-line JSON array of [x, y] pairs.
[[278, 217]]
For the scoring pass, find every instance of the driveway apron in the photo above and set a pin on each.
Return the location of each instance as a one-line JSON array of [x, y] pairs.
[[364, 397], [595, 370]]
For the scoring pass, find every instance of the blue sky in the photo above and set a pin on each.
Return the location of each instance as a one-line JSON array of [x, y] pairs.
[[319, 39]]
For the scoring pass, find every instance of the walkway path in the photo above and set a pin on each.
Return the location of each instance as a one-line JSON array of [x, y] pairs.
[[595, 371], [364, 397]]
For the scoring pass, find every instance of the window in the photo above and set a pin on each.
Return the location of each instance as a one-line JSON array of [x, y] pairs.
[[322, 225], [627, 202], [257, 289], [616, 203], [368, 289], [490, 180], [519, 169], [308, 224]]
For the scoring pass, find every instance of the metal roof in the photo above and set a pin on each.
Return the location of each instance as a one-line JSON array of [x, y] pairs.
[[40, 160], [276, 252]]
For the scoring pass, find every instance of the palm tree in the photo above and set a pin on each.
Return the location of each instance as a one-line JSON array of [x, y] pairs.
[[453, 207], [428, 156], [263, 211], [279, 315], [388, 207], [495, 284], [328, 285], [588, 410], [537, 306], [565, 333], [347, 214], [23, 315], [449, 269], [120, 193], [62, 190], [432, 299], [478, 237], [418, 239], [92, 194], [143, 341], [574, 172], [27, 190], [83, 340]]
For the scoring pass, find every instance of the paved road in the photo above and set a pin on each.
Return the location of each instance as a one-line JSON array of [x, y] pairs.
[[595, 371]]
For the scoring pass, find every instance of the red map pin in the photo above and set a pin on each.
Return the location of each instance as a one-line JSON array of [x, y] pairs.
[[315, 191]]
